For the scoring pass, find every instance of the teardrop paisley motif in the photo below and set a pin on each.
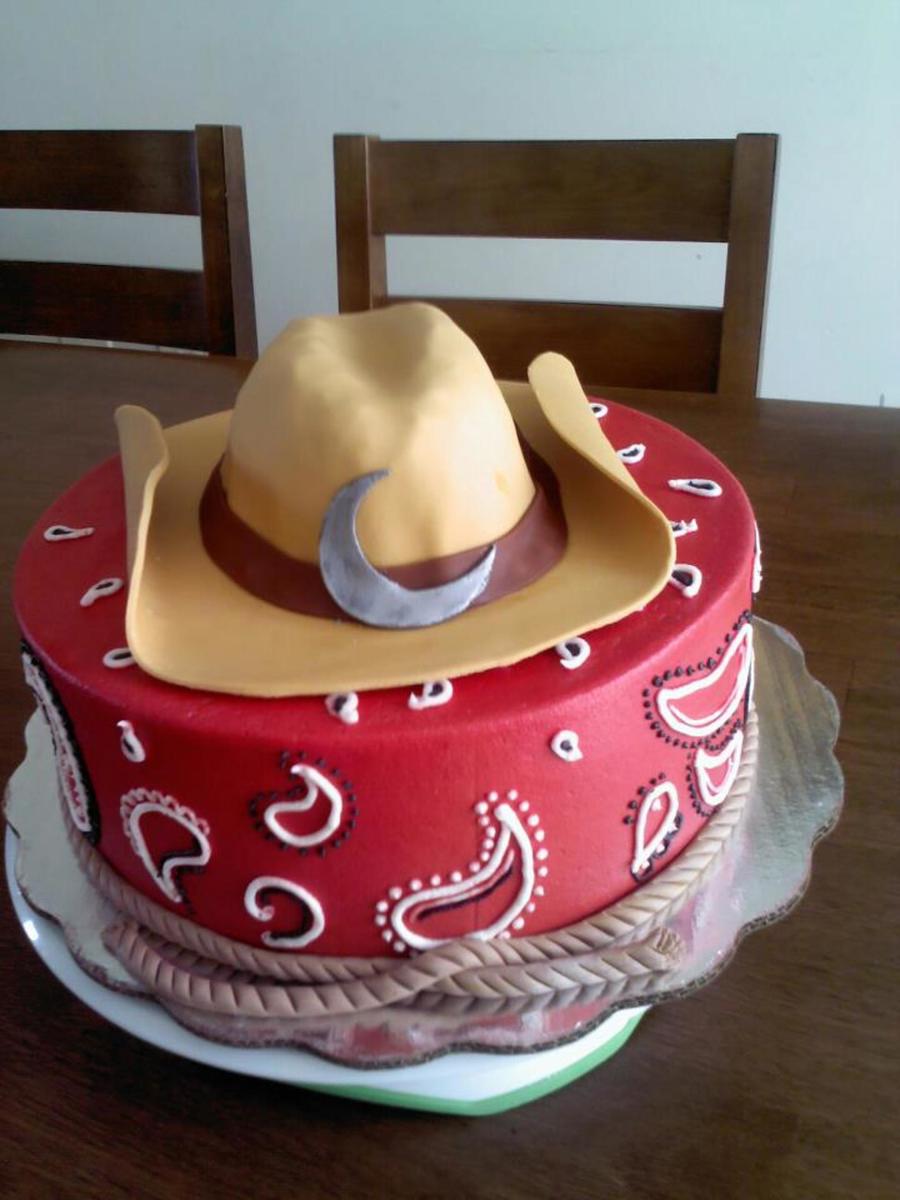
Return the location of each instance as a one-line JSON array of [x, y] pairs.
[[138, 804], [573, 653], [687, 578], [316, 784], [697, 487], [65, 533], [101, 589], [661, 800], [130, 744], [431, 695], [735, 664], [310, 928], [344, 706], [566, 745], [713, 791], [511, 857], [118, 658], [757, 575], [680, 528]]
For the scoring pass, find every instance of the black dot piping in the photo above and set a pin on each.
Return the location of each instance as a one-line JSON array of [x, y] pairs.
[[261, 801]]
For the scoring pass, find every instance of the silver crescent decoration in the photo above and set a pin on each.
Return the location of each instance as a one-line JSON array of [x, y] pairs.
[[363, 592]]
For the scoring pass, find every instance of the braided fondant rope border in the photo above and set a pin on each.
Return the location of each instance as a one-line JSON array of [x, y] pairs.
[[621, 949], [168, 974]]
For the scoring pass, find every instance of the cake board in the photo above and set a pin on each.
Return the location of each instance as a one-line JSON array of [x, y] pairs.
[[796, 799]]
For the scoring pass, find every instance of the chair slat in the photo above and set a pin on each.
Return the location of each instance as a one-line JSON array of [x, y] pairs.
[[242, 333], [709, 190], [644, 190], [747, 272], [361, 254], [147, 171], [128, 304], [197, 173], [627, 345]]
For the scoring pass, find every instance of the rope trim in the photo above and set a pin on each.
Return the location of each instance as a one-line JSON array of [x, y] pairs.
[[621, 950]]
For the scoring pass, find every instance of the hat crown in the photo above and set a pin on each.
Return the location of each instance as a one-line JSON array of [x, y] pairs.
[[401, 389]]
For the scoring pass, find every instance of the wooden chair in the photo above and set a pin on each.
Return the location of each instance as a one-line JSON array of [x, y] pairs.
[[197, 173], [694, 191]]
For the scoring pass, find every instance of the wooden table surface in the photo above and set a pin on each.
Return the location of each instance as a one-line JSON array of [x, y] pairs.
[[780, 1079]]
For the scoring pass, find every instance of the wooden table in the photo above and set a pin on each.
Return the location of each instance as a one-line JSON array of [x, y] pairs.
[[778, 1080]]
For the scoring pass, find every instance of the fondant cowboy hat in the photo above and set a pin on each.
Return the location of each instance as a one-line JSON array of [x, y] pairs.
[[377, 510]]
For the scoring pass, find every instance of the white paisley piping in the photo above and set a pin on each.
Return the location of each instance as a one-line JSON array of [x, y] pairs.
[[510, 827], [703, 726], [65, 533], [757, 576], [428, 699], [680, 528], [104, 587], [696, 581], [348, 712], [118, 658], [633, 453], [644, 851], [134, 806], [572, 659], [315, 782], [68, 774], [266, 912], [714, 794], [711, 490], [130, 744], [565, 745]]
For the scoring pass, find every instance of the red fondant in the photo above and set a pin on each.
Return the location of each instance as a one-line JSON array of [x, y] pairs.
[[409, 781]]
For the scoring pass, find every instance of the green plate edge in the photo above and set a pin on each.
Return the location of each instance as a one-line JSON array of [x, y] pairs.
[[491, 1104]]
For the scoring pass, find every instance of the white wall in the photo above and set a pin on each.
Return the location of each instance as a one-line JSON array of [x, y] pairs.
[[821, 73]]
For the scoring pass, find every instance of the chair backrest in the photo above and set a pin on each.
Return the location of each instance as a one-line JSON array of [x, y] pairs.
[[691, 191], [197, 172]]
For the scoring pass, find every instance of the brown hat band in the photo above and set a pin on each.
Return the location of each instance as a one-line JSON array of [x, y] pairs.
[[534, 545]]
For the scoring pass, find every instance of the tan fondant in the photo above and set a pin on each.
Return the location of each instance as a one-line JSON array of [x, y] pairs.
[[401, 388], [145, 458], [619, 555]]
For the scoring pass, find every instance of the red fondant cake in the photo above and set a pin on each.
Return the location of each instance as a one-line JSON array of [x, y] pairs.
[[503, 803]]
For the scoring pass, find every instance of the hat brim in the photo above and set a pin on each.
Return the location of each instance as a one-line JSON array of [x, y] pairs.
[[187, 622]]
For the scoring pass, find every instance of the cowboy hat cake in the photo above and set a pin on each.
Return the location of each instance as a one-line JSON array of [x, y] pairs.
[[395, 673]]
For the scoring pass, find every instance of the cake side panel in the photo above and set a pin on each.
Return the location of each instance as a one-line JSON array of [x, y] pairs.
[[370, 847]]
